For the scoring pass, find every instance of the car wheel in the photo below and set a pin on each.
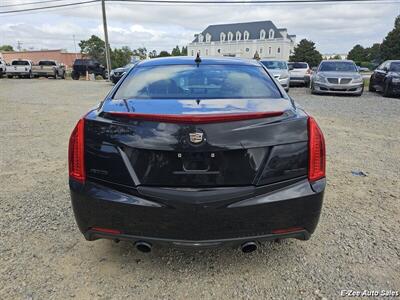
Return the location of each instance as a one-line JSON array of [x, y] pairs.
[[63, 75], [75, 75], [105, 75], [55, 75], [313, 90], [387, 90], [9, 76], [371, 87]]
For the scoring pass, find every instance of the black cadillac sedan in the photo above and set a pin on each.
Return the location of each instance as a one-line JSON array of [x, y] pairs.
[[197, 153], [386, 79]]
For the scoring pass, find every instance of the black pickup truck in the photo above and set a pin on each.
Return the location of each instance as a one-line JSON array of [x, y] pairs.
[[92, 66]]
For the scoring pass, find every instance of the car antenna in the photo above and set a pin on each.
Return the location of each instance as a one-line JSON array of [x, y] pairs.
[[198, 59]]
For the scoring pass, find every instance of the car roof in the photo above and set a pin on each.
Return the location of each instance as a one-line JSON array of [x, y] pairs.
[[189, 60], [337, 60]]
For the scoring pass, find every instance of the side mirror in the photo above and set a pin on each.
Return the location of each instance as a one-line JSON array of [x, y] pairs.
[[291, 68]]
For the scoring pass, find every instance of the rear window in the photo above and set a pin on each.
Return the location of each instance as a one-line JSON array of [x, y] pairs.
[[83, 62], [395, 67], [20, 63], [337, 66], [202, 82], [46, 63], [297, 65]]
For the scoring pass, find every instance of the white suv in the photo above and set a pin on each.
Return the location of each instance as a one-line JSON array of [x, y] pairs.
[[300, 73]]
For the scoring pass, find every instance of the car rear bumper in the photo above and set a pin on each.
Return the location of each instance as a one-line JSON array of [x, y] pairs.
[[299, 79], [234, 217], [350, 89]]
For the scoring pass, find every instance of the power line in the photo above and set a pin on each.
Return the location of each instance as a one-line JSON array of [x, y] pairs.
[[31, 3], [47, 7], [255, 2]]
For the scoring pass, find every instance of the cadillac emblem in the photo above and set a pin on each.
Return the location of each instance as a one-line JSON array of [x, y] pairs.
[[196, 137]]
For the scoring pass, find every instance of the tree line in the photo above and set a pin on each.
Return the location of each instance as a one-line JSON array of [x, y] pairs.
[[95, 48]]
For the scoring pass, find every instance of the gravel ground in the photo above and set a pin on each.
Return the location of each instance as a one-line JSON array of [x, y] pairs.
[[44, 256]]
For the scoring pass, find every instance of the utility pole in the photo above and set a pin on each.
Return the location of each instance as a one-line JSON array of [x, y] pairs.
[[76, 54], [108, 58], [19, 44]]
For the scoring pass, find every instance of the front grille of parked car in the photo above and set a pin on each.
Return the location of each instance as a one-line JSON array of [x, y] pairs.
[[333, 80], [345, 80]]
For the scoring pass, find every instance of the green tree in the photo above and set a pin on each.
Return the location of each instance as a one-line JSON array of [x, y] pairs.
[[6, 48], [95, 48], [141, 52], [358, 54], [176, 51], [164, 54], [184, 51], [337, 56], [121, 57], [390, 48], [374, 53], [306, 51], [153, 54]]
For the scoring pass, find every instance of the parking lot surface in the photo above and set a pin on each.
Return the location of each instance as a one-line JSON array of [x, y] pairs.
[[43, 255]]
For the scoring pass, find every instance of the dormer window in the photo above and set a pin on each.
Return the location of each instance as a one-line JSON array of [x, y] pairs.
[[238, 35], [200, 38], [230, 36], [208, 37], [222, 37], [262, 34], [271, 34], [246, 35]]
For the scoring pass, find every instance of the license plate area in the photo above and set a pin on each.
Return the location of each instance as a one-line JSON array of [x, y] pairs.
[[197, 161]]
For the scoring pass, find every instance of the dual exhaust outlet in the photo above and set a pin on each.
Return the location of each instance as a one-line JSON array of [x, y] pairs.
[[145, 247]]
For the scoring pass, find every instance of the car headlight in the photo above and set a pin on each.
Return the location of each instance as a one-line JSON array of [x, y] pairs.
[[112, 73], [319, 78], [396, 80], [284, 76], [358, 80]]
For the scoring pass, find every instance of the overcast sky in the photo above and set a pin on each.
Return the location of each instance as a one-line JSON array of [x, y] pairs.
[[335, 28]]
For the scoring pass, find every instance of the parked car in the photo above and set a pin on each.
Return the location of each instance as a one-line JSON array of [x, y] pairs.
[[300, 73], [386, 78], [337, 77], [81, 66], [280, 71], [48, 68], [2, 67], [20, 68], [117, 73], [363, 69], [197, 153]]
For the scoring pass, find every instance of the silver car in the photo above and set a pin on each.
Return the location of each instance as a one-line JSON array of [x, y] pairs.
[[337, 77], [280, 70]]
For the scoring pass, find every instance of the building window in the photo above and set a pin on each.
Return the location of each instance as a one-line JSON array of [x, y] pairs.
[[200, 38], [219, 50], [222, 37], [247, 49], [262, 34], [206, 51], [261, 50], [192, 52], [271, 34], [246, 35], [208, 37], [278, 50], [238, 35], [269, 50], [230, 36]]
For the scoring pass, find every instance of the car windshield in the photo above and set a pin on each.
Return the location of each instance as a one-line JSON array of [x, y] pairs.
[[197, 82], [20, 63], [298, 65], [395, 67], [274, 64], [337, 66]]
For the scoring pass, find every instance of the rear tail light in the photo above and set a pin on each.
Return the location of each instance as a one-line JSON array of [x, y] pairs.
[[316, 151], [309, 71], [76, 159], [106, 230], [287, 230]]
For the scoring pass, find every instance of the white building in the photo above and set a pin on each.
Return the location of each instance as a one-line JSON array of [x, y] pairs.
[[244, 40]]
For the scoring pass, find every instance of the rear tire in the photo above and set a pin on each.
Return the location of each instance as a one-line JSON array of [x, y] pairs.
[[9, 76], [75, 75]]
